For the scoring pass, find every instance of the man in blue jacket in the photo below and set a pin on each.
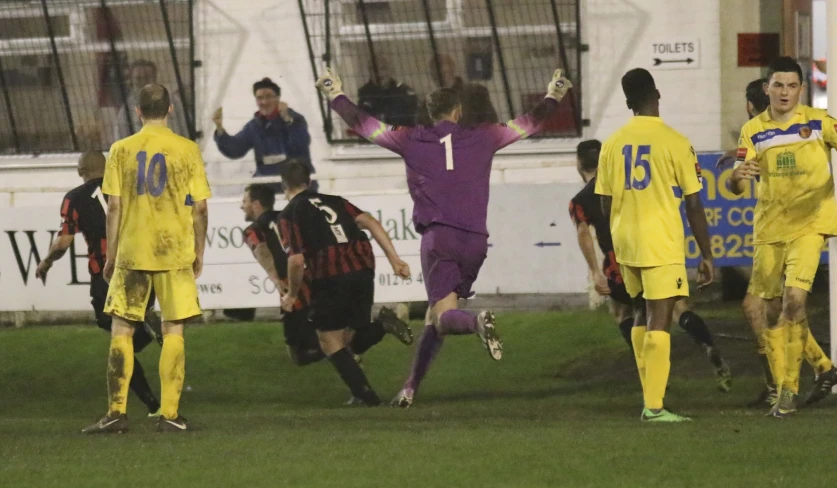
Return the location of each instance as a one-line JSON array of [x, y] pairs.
[[276, 134]]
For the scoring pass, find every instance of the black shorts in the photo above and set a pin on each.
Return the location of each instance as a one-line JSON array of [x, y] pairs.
[[343, 302], [98, 295], [618, 292], [299, 332]]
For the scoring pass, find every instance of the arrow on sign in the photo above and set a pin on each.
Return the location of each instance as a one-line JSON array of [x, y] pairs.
[[548, 244], [658, 61]]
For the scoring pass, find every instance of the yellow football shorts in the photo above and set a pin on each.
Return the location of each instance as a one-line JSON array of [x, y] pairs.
[[176, 291], [657, 283], [797, 260]]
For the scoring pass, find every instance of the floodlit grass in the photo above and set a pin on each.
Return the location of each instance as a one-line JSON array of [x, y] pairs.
[[561, 410]]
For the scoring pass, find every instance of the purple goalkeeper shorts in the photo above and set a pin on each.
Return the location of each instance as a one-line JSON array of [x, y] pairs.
[[450, 261]]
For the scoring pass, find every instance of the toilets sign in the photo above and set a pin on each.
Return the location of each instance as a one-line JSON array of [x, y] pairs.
[[675, 54]]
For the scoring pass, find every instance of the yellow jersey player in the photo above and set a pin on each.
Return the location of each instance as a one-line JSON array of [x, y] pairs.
[[156, 233], [787, 149], [645, 169], [759, 310]]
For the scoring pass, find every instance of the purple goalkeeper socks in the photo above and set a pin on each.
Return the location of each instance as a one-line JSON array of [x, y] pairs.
[[458, 322], [429, 344]]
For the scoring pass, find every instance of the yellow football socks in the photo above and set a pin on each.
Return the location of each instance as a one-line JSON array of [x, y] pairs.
[[815, 356], [797, 337], [120, 369], [638, 342], [657, 356], [776, 342], [172, 374]]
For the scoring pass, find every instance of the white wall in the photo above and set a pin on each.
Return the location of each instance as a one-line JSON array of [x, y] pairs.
[[240, 42], [819, 29], [735, 78]]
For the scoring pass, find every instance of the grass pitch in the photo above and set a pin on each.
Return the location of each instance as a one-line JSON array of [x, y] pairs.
[[561, 410]]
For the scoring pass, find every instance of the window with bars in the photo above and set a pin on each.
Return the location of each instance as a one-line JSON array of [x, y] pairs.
[[392, 53], [70, 70]]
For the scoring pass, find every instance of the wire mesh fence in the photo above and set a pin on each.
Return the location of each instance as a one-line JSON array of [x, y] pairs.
[[70, 70], [499, 53]]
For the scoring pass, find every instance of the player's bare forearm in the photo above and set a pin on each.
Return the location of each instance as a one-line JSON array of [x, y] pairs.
[[742, 175], [200, 221], [59, 248], [370, 223], [56, 251], [697, 221], [607, 203], [114, 219], [588, 249], [265, 259], [737, 187], [296, 271]]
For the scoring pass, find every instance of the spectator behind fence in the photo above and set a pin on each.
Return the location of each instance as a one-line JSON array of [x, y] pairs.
[[144, 72], [447, 77], [275, 134], [385, 98], [477, 107]]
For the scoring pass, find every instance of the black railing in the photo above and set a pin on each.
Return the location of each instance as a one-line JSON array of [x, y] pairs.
[[70, 71], [510, 47]]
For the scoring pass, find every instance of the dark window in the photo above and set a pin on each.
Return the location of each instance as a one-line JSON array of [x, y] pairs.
[[65, 69], [510, 47]]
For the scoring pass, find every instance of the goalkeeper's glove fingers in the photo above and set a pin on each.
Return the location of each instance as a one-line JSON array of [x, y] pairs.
[[558, 86], [330, 84]]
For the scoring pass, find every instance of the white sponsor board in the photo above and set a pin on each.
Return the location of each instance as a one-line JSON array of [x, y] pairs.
[[532, 250]]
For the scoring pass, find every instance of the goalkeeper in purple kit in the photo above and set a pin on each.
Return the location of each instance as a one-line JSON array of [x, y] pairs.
[[448, 172]]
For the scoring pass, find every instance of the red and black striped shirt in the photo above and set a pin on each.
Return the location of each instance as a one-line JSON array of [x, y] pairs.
[[322, 228], [84, 210], [265, 230], [586, 207]]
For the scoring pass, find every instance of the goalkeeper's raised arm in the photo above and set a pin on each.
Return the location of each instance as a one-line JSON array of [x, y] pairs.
[[361, 122]]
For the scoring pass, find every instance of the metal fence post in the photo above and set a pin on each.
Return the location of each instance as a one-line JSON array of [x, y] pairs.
[[67, 110]]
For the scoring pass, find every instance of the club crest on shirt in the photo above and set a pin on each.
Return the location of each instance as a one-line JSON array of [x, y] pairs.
[[805, 131]]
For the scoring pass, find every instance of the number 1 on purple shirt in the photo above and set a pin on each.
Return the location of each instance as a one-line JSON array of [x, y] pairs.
[[447, 141]]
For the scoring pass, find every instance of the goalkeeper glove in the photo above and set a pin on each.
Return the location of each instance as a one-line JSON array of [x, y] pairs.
[[330, 84], [558, 86]]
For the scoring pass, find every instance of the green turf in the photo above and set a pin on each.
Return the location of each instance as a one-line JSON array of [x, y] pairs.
[[561, 410]]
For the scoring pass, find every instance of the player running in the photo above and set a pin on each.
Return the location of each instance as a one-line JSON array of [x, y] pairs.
[[760, 311], [323, 236], [83, 210], [156, 235], [586, 212], [787, 149], [645, 169], [448, 171], [262, 236]]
